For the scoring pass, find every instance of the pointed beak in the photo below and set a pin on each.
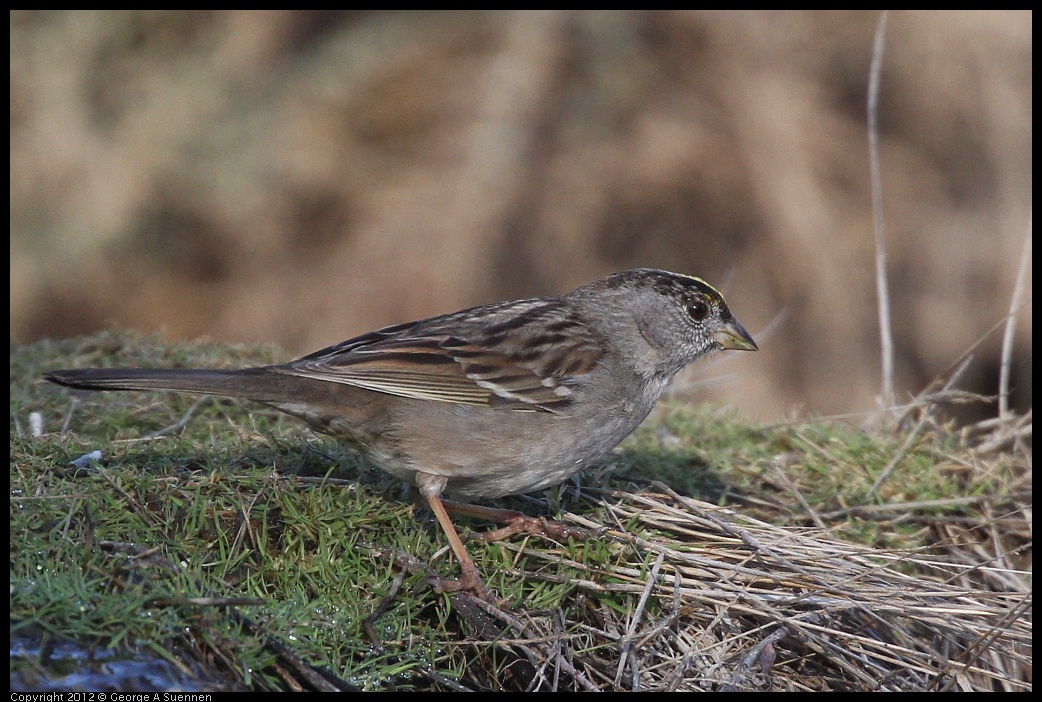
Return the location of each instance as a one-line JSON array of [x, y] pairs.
[[732, 335]]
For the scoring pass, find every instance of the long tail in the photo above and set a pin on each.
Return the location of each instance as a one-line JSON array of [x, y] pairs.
[[259, 384]]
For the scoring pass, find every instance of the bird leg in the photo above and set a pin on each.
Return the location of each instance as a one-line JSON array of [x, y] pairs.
[[431, 487]]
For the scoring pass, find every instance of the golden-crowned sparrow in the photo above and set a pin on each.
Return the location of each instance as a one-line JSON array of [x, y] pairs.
[[489, 401]]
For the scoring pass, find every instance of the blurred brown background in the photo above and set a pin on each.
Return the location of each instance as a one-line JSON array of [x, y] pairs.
[[305, 176]]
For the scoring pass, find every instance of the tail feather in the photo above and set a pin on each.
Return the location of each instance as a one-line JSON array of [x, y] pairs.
[[258, 384]]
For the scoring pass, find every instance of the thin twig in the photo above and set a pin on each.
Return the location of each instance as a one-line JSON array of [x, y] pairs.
[[73, 404], [912, 436], [178, 426], [795, 491], [627, 640], [1011, 325], [882, 287]]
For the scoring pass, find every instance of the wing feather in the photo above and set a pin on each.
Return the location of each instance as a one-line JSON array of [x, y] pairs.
[[523, 355]]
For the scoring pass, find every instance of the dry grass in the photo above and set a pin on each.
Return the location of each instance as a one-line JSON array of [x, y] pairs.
[[720, 601]]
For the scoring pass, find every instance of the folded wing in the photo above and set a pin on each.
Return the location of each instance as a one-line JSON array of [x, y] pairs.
[[524, 355]]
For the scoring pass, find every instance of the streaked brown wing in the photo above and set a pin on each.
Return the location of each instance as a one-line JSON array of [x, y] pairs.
[[523, 355]]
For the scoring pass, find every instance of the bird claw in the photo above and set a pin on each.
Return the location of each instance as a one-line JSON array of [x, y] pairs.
[[535, 526], [472, 584]]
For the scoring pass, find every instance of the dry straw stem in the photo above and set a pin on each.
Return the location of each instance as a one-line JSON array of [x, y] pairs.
[[730, 602], [882, 287], [1011, 325]]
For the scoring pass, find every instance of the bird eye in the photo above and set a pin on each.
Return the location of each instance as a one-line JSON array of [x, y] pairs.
[[698, 310]]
